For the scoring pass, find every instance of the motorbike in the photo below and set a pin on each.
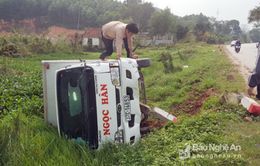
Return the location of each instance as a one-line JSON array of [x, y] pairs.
[[237, 48]]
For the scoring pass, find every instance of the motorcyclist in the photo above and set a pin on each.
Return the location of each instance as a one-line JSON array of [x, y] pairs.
[[238, 43], [237, 46]]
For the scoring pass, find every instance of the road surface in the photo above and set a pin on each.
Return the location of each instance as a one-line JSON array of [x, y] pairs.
[[245, 59]]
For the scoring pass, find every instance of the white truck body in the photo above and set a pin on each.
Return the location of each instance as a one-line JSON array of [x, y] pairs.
[[93, 100]]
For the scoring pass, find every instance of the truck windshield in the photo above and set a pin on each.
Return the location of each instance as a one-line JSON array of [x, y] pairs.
[[77, 104]]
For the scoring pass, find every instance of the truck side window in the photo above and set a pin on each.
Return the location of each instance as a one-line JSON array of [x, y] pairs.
[[128, 74], [129, 91]]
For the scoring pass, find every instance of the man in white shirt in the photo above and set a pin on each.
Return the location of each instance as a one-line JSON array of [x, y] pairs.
[[121, 33]]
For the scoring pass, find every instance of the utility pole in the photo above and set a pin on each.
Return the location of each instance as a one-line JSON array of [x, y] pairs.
[[78, 20]]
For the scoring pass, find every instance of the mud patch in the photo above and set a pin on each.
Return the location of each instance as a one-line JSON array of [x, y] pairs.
[[193, 104], [151, 125], [230, 77]]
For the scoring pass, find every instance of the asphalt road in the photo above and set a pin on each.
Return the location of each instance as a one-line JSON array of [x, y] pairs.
[[247, 55], [245, 60]]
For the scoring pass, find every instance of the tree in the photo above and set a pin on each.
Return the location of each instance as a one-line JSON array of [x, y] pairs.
[[254, 16], [107, 10], [235, 28], [83, 13], [201, 27], [161, 22], [139, 14], [181, 32], [133, 2], [255, 34], [222, 28], [23, 9]]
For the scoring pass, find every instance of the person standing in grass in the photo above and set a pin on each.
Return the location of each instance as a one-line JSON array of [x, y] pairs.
[[120, 33], [254, 79]]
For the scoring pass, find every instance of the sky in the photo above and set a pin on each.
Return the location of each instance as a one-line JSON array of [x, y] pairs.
[[220, 9]]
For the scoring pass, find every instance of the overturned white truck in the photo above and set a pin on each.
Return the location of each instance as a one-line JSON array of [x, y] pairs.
[[95, 101]]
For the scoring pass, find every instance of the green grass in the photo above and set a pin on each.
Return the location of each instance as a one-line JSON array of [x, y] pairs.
[[26, 139], [247, 135]]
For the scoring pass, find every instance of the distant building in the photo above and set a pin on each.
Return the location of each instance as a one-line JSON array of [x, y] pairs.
[[148, 40], [167, 39], [92, 38], [89, 38]]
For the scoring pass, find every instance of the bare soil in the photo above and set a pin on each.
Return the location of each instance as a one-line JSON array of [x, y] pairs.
[[193, 104]]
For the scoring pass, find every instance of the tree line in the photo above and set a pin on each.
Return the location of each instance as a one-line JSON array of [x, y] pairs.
[[254, 17], [79, 14]]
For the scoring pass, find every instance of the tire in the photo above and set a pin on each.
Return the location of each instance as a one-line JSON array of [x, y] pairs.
[[237, 50], [144, 62]]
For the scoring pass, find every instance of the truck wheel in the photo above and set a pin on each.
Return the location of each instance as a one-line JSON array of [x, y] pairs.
[[144, 62]]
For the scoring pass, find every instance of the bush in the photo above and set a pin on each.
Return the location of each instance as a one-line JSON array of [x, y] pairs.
[[166, 59], [18, 45]]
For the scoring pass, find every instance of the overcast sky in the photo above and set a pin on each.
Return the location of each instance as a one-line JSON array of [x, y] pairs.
[[220, 9]]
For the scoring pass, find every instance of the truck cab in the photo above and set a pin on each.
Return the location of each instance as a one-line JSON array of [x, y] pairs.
[[94, 101]]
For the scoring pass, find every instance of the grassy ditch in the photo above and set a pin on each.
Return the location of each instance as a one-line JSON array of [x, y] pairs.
[[186, 80]]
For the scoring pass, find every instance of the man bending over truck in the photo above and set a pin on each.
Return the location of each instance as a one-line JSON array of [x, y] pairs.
[[121, 33]]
